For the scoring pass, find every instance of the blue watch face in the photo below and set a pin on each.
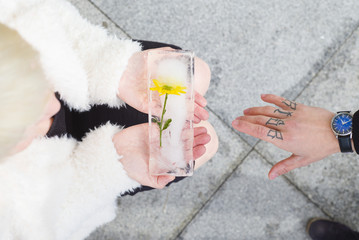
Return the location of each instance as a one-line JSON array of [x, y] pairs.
[[342, 124]]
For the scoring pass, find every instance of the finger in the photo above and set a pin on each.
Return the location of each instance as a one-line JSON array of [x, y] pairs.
[[199, 130], [198, 136], [201, 139], [201, 113], [274, 123], [198, 151], [163, 180], [268, 111], [280, 102], [196, 120], [200, 100], [195, 137], [259, 131], [286, 165]]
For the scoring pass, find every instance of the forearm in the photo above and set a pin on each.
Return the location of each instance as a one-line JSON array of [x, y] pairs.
[[82, 62], [70, 188], [37, 180], [98, 179], [104, 57]]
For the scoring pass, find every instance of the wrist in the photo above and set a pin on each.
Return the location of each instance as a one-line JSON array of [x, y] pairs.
[[334, 146]]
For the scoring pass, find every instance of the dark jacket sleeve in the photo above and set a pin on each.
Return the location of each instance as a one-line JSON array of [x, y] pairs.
[[355, 131]]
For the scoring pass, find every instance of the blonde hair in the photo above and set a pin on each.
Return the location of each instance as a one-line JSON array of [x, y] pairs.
[[24, 90]]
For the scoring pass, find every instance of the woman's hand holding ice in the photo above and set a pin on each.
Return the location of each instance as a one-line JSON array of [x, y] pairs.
[[133, 144], [133, 87]]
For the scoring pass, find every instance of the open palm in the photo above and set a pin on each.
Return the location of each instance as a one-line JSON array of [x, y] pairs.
[[133, 144]]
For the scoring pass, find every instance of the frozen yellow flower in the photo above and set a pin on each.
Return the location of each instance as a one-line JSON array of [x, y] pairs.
[[168, 86]]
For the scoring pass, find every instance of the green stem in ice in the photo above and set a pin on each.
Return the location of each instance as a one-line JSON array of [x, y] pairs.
[[161, 123]]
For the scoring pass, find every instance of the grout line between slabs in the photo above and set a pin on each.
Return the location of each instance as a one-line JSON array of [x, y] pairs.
[[225, 179], [212, 195], [287, 179], [326, 62], [253, 149], [110, 19]]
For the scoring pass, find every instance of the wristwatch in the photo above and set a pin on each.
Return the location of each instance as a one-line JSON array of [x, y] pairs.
[[342, 128]]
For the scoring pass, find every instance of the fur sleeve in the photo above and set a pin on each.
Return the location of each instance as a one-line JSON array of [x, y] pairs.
[[61, 189], [34, 184], [99, 178], [81, 60]]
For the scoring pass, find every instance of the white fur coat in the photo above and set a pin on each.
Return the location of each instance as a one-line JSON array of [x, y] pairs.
[[60, 189]]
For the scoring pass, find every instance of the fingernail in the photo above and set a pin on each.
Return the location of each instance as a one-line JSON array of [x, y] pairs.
[[236, 122], [273, 176], [245, 111], [204, 102], [263, 95]]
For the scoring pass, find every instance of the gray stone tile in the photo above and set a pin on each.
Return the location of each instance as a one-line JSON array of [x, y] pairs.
[[161, 214], [252, 47], [332, 183], [249, 206], [95, 16]]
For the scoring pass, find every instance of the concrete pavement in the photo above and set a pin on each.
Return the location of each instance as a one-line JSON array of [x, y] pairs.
[[305, 50]]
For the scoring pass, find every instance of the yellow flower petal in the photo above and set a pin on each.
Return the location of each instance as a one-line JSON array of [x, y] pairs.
[[168, 86]]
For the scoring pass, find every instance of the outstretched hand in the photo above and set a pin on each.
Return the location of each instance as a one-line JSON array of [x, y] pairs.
[[302, 130], [133, 87], [132, 144]]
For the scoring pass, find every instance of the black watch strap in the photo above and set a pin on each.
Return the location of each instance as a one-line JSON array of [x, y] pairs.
[[345, 143]]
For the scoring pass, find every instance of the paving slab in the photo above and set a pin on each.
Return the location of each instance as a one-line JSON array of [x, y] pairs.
[[252, 47], [162, 214], [92, 13], [249, 207], [332, 183]]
